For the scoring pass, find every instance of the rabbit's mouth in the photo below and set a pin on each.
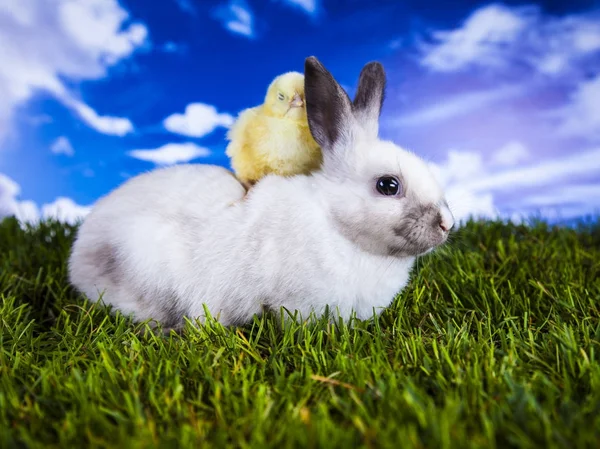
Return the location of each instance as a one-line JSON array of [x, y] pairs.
[[422, 230]]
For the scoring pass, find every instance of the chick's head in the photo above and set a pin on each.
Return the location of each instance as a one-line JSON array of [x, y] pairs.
[[285, 97]]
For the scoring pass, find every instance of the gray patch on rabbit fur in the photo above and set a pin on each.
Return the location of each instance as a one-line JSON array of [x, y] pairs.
[[106, 257], [173, 313], [414, 227]]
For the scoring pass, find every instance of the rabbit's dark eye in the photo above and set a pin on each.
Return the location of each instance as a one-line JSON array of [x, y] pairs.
[[389, 186]]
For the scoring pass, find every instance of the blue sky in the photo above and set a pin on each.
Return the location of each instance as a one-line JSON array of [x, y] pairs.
[[503, 99]]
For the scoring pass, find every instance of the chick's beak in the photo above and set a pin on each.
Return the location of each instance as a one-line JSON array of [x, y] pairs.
[[297, 101]]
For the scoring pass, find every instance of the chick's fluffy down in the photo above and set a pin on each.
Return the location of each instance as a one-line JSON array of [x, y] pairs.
[[274, 137], [261, 144]]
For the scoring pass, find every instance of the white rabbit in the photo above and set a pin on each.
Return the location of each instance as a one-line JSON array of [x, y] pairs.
[[168, 241]]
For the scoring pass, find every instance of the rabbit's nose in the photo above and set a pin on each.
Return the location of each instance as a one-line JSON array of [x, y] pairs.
[[446, 219]]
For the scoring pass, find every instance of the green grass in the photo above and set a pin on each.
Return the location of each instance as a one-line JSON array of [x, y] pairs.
[[494, 344]]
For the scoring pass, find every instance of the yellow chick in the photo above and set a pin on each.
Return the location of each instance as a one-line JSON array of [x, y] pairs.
[[274, 137]]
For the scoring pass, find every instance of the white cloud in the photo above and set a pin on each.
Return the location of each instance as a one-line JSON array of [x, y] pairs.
[[564, 194], [540, 174], [564, 214], [95, 27], [459, 166], [499, 37], [171, 153], [43, 43], [310, 7], [198, 120], [456, 106], [27, 212], [116, 126], [237, 17], [510, 154], [10, 205], [472, 186], [464, 203], [395, 44], [480, 40], [63, 209], [560, 202], [186, 6], [62, 146], [581, 116], [172, 47]]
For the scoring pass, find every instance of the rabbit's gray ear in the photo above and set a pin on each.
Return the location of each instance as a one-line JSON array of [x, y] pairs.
[[369, 97], [328, 107]]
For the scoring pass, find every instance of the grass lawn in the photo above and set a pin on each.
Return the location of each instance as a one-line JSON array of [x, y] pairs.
[[494, 344]]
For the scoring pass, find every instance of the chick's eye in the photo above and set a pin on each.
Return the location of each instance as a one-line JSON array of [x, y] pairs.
[[281, 96], [388, 185]]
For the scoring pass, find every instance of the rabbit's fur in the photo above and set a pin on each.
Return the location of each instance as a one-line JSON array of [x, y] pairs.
[[168, 241]]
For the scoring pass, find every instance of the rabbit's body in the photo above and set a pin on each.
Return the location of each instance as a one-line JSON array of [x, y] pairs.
[[239, 259], [167, 243]]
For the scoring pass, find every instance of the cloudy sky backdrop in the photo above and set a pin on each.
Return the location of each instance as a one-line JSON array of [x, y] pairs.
[[503, 99]]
